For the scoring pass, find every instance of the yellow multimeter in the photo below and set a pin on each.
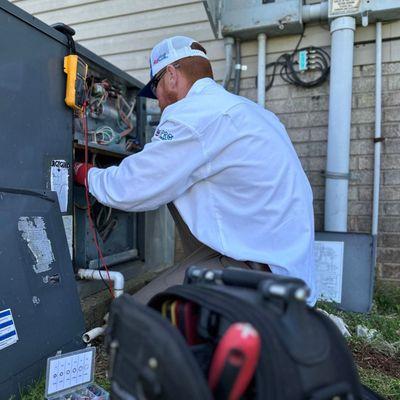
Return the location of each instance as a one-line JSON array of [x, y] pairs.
[[76, 71]]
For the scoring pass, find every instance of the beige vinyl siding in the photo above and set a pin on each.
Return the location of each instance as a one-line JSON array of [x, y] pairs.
[[124, 31]]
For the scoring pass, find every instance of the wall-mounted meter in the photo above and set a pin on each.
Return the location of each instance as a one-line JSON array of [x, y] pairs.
[[365, 11]]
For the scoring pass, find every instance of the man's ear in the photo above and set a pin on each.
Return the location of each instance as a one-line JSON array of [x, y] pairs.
[[172, 76]]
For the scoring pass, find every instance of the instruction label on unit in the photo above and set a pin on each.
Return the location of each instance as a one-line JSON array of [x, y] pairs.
[[8, 332], [59, 178], [329, 269], [344, 7], [33, 231]]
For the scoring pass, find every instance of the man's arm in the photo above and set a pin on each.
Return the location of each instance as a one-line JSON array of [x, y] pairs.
[[160, 173]]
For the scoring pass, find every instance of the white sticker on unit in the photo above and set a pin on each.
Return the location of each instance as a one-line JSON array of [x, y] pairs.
[[345, 7], [59, 173], [34, 233], [8, 332], [329, 269]]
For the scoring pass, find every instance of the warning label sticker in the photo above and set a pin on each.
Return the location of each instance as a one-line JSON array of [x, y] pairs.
[[8, 332], [344, 7], [59, 182]]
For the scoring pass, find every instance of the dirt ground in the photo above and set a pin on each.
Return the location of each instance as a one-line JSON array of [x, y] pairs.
[[367, 357]]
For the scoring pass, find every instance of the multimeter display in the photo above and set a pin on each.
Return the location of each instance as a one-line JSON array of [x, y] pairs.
[[76, 70]]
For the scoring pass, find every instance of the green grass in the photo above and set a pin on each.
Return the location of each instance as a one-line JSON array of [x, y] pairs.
[[385, 385], [384, 315], [385, 318], [104, 383], [36, 391], [387, 298]]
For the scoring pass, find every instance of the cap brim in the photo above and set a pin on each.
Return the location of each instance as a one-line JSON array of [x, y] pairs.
[[147, 92]]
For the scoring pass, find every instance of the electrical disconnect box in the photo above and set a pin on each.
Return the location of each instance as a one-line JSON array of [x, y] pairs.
[[247, 18], [54, 113]]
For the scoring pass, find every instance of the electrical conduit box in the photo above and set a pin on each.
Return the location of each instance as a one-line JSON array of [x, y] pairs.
[[247, 18]]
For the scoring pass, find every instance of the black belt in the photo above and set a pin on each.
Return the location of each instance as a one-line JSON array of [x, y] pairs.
[[258, 266]]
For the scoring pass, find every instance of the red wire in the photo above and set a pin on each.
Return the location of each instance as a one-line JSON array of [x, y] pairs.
[[91, 224]]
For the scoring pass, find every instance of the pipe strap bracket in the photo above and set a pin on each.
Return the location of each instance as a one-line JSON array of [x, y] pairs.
[[336, 175], [379, 139]]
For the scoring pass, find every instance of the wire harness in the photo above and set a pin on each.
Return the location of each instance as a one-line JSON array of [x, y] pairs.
[[287, 65]]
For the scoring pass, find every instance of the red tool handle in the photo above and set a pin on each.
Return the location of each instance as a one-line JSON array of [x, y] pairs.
[[234, 362]]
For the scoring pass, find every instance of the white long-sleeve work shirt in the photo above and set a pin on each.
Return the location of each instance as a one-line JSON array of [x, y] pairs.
[[230, 169]]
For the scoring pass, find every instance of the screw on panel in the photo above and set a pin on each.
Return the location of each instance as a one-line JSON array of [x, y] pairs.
[[153, 363]]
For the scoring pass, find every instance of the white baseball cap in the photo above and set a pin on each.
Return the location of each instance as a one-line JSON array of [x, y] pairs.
[[167, 52]]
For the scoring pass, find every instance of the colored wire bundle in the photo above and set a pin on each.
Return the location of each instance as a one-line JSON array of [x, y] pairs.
[[105, 135], [102, 262], [287, 64]]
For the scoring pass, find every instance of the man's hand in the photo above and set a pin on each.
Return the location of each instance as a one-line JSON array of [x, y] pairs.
[[80, 172]]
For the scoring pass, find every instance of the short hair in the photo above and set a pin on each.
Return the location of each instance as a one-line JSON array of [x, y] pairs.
[[196, 67]]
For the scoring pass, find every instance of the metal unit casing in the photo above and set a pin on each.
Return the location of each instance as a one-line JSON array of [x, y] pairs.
[[37, 284], [38, 129]]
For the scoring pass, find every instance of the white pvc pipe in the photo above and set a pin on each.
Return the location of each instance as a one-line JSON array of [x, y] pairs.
[[378, 123], [338, 157], [315, 12], [118, 284], [93, 333], [116, 277], [229, 42], [262, 42]]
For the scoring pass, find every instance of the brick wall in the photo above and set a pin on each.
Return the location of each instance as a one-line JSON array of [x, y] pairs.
[[304, 112]]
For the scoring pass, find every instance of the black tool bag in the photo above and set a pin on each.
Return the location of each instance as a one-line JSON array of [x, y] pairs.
[[148, 357], [304, 356]]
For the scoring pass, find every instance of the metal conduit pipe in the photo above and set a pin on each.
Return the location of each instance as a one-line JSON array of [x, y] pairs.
[[340, 93], [315, 12], [229, 42], [262, 43], [238, 66], [378, 124]]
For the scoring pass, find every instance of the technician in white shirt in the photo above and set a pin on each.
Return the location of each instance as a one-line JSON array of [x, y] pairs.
[[235, 185]]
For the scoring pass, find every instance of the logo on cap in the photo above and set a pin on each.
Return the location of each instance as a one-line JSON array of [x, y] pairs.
[[160, 58]]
